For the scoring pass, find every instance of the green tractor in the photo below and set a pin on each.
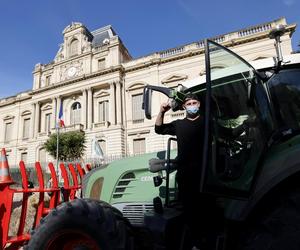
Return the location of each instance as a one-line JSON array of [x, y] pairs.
[[255, 175]]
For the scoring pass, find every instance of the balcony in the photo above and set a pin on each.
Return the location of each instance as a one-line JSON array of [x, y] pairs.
[[103, 124], [75, 127]]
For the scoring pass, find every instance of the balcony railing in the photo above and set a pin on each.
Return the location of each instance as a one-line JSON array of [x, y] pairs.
[[255, 30], [171, 52], [103, 124], [74, 127]]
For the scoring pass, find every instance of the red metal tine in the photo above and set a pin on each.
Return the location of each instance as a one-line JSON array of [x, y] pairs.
[[55, 197], [74, 175], [88, 167], [80, 171], [40, 207], [6, 201], [65, 177], [25, 198], [75, 181]]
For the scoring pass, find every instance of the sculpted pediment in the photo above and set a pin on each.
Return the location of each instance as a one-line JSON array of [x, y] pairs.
[[259, 58], [101, 94], [174, 78], [8, 117], [46, 107], [73, 26], [134, 86], [26, 112]]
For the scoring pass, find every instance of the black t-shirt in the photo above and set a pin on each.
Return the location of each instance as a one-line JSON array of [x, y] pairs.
[[189, 143]]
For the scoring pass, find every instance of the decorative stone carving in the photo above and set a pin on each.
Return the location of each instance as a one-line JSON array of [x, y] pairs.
[[72, 26], [60, 55], [71, 70], [86, 45]]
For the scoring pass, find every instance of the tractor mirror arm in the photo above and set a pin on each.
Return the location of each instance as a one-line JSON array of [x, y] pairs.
[[147, 97]]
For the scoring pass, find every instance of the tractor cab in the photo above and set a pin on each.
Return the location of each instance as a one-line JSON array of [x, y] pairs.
[[247, 114], [238, 121]]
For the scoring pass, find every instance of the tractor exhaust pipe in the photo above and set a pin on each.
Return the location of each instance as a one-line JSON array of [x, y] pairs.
[[276, 33]]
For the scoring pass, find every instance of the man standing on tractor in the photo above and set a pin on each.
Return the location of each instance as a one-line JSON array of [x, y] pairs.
[[189, 131]]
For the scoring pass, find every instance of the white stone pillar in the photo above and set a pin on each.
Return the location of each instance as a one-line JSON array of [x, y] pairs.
[[32, 121], [119, 102], [84, 105], [37, 119], [112, 110], [54, 112], [90, 107]]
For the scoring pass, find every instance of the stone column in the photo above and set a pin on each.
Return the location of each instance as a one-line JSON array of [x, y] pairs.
[[37, 119], [54, 112], [112, 99], [32, 121], [90, 108], [119, 102], [84, 105]]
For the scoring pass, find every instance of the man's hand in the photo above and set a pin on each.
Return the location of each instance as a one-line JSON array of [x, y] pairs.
[[164, 107]]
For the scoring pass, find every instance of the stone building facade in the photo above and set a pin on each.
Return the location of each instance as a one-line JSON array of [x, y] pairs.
[[99, 85]]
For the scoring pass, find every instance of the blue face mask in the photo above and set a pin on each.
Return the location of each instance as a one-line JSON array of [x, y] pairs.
[[192, 110]]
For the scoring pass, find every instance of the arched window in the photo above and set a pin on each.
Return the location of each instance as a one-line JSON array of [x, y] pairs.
[[75, 113], [74, 47]]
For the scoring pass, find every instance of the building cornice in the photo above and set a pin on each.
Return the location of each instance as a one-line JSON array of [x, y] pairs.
[[232, 39], [15, 99]]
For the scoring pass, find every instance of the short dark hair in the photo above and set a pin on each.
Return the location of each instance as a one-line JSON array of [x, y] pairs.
[[191, 96]]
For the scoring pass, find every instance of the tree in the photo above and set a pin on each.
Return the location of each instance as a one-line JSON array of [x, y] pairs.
[[71, 145]]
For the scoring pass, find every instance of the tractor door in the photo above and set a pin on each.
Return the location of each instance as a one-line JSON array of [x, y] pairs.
[[238, 123]]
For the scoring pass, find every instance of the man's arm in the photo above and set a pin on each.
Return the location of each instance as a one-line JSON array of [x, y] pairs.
[[160, 127], [160, 117]]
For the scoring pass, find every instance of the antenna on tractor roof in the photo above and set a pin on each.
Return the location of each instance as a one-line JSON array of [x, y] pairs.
[[276, 33]]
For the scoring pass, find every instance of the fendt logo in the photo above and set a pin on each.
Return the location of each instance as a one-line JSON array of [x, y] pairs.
[[147, 178]]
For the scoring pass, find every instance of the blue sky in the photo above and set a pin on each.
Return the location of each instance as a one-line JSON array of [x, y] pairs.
[[31, 30]]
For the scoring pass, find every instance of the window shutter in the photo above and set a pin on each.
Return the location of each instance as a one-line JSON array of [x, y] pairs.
[[8, 131], [137, 112], [26, 128], [139, 146]]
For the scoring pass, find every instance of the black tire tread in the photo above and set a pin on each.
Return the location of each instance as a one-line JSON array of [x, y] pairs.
[[107, 223], [278, 229]]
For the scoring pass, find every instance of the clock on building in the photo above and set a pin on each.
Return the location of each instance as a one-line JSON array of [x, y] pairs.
[[71, 71]]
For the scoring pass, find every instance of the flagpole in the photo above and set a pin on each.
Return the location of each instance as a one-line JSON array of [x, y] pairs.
[[57, 147], [57, 138], [60, 124]]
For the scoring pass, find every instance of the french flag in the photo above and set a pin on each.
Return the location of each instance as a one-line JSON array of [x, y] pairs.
[[61, 122]]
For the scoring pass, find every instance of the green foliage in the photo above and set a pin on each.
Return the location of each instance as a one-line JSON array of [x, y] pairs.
[[71, 145]]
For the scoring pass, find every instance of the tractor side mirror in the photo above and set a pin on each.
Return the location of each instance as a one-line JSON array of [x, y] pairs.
[[147, 97], [147, 102]]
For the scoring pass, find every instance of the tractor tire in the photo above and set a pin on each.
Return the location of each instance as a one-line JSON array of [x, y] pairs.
[[278, 228], [82, 224]]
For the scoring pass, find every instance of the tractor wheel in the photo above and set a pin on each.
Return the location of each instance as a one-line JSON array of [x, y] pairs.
[[278, 228], [82, 224]]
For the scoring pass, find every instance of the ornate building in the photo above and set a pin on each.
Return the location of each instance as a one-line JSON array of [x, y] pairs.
[[99, 85]]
